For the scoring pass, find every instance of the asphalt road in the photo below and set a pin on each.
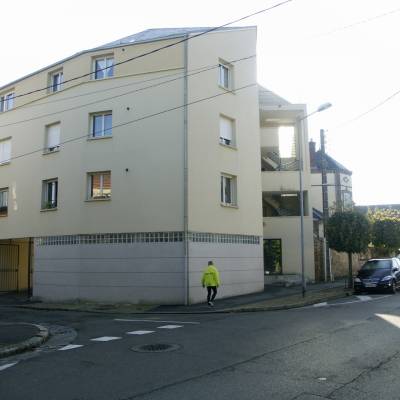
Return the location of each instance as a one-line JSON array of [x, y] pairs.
[[348, 349]]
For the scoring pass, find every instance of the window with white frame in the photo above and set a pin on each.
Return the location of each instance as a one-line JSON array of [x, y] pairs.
[[225, 75], [52, 137], [101, 124], [3, 202], [56, 81], [7, 101], [228, 190], [50, 194], [99, 185], [5, 151], [226, 130], [103, 67]]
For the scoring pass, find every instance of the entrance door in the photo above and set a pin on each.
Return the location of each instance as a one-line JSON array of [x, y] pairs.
[[272, 256], [9, 256]]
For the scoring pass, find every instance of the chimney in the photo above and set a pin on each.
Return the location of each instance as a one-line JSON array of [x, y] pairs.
[[311, 145]]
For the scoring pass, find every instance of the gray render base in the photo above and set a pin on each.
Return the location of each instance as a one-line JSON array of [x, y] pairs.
[[143, 273]]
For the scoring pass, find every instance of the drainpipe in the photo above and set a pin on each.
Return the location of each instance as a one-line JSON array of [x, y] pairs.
[[29, 266], [185, 172]]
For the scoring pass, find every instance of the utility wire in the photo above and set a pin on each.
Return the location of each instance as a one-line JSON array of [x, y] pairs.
[[199, 71], [186, 39], [148, 116], [370, 110], [361, 22]]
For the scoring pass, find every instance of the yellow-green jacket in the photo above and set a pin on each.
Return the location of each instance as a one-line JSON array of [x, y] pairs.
[[210, 276]]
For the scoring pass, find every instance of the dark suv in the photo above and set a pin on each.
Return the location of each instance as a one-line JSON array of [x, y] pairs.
[[378, 274]]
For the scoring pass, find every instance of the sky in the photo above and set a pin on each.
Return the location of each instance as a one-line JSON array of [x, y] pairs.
[[345, 52]]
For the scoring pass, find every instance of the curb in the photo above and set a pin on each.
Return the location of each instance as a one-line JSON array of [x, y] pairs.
[[31, 343], [240, 309]]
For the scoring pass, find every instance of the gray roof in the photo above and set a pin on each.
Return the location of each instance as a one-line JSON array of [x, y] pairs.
[[160, 33], [269, 98], [148, 35]]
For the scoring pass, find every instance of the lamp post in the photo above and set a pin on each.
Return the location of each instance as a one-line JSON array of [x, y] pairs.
[[322, 107]]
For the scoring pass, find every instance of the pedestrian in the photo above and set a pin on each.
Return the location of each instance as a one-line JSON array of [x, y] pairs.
[[210, 280]]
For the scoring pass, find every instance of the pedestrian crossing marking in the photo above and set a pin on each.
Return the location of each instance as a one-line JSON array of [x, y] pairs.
[[5, 366], [169, 326], [105, 338], [70, 347], [139, 332]]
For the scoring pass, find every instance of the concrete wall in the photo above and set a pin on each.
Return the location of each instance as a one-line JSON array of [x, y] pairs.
[[147, 273], [207, 158], [288, 230], [240, 266]]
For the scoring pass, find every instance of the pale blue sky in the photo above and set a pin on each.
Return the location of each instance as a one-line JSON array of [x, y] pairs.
[[302, 56]]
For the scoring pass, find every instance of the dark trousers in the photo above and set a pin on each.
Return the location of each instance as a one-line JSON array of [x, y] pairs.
[[214, 293]]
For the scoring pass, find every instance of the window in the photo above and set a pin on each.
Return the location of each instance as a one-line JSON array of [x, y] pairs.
[[226, 131], [225, 75], [7, 101], [3, 202], [52, 138], [103, 67], [5, 151], [99, 185], [101, 125], [228, 190], [56, 81], [49, 194]]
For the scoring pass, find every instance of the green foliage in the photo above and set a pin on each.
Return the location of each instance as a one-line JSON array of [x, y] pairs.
[[385, 229], [348, 231]]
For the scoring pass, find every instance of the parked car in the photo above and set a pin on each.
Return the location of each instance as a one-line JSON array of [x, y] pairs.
[[378, 274]]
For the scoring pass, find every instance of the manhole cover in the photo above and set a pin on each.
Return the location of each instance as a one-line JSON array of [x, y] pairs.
[[155, 348]]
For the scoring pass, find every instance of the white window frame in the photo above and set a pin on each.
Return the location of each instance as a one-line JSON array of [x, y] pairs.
[[103, 134], [52, 149], [105, 58], [7, 101], [53, 203], [4, 195], [53, 88], [2, 142], [90, 176], [223, 67], [225, 140], [233, 190]]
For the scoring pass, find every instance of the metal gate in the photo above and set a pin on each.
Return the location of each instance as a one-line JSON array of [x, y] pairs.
[[9, 257]]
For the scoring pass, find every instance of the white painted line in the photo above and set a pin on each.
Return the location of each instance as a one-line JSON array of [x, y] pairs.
[[5, 366], [154, 320], [70, 347], [105, 338], [139, 332], [364, 298], [169, 326], [324, 304]]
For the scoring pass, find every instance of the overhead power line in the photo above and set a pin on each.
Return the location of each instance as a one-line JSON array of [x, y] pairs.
[[148, 116], [162, 47], [198, 71]]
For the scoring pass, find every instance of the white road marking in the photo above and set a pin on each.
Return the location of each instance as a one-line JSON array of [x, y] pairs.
[[70, 347], [5, 366], [139, 332], [154, 320], [105, 338], [324, 304], [169, 326], [364, 298]]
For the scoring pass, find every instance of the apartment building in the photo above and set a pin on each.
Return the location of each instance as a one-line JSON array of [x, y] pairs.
[[125, 168], [282, 124]]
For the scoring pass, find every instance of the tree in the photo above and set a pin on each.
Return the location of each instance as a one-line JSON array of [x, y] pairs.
[[385, 232], [348, 232]]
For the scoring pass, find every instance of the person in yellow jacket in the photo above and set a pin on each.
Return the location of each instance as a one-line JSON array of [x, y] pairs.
[[211, 281]]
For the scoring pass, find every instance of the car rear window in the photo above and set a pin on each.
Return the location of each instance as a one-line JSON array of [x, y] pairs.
[[377, 264]]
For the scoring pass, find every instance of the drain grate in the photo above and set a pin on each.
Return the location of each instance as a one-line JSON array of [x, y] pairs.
[[155, 348]]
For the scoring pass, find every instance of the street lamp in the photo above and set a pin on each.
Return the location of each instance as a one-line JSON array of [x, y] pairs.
[[322, 107]]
